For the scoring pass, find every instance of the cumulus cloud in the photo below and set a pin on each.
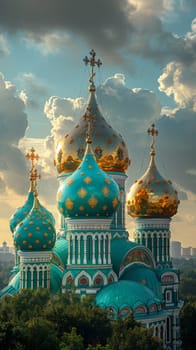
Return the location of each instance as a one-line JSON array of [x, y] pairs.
[[13, 124], [34, 90]]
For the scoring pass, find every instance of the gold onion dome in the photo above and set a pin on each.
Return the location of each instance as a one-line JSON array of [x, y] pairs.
[[89, 191], [109, 147], [152, 195]]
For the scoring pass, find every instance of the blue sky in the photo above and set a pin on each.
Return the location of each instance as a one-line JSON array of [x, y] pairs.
[[148, 49]]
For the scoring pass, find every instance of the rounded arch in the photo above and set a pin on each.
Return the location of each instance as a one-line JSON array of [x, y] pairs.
[[169, 277]]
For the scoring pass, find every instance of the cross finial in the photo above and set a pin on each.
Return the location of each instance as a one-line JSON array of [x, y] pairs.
[[32, 156], [93, 62], [153, 132]]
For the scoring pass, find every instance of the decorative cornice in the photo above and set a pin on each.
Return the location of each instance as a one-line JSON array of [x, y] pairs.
[[160, 223], [89, 224]]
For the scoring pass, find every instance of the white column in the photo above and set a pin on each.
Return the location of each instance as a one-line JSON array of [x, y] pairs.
[[69, 248], [109, 249], [85, 250], [157, 236], [104, 257], [31, 269], [79, 242], [99, 250], [163, 260], [93, 252], [73, 249]]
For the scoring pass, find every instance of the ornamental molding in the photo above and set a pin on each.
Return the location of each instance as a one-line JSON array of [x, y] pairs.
[[153, 223], [35, 257], [88, 224]]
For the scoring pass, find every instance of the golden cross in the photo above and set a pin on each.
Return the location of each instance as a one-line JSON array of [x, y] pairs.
[[93, 62], [32, 156], [153, 132], [33, 171]]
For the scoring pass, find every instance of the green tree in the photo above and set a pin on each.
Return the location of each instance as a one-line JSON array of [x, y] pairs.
[[188, 321], [71, 341]]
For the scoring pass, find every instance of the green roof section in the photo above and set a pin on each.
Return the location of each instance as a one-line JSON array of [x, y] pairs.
[[126, 294], [144, 275], [119, 248], [61, 250]]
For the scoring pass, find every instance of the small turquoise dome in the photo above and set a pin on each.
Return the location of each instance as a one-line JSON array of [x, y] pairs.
[[36, 232], [142, 274], [22, 212], [127, 295], [89, 191]]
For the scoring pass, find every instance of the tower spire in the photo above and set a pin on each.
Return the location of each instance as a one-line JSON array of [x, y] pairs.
[[153, 132], [93, 62]]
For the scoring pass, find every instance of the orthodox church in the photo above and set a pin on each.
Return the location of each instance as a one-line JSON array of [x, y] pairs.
[[91, 253]]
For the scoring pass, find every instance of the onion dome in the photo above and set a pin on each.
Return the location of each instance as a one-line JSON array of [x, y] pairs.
[[36, 232], [22, 212], [89, 191], [123, 297], [152, 195], [109, 147]]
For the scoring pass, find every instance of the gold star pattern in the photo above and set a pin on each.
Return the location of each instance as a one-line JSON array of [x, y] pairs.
[[69, 182], [105, 191], [88, 180], [82, 192], [108, 181], [115, 202], [69, 204], [92, 202], [81, 208]]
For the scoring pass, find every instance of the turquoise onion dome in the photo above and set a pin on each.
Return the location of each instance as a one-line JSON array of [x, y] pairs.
[[89, 191], [152, 195], [122, 296], [22, 212], [36, 232]]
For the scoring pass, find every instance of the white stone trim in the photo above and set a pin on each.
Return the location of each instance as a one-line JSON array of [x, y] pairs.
[[89, 224]]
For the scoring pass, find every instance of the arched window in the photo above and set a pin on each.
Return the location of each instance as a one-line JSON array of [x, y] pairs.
[[83, 281], [98, 281]]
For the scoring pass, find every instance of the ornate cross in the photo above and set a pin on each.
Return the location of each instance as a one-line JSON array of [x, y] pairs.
[[153, 132], [32, 156], [93, 62]]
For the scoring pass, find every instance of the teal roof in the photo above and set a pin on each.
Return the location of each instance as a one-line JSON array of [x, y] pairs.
[[36, 232], [56, 275], [13, 286], [61, 250], [119, 248], [143, 275], [129, 294], [89, 191], [22, 212]]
